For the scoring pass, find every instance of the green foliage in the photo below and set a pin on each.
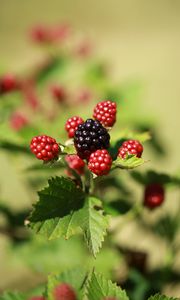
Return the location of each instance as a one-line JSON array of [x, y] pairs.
[[99, 288], [63, 211], [76, 278], [161, 297], [130, 162], [151, 176], [12, 296]]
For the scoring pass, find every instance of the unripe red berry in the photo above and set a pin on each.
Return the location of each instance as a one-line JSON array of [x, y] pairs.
[[44, 147], [100, 162], [154, 195], [18, 121], [75, 163], [41, 34], [72, 124], [105, 112], [84, 95], [64, 292], [58, 92], [130, 147], [8, 83]]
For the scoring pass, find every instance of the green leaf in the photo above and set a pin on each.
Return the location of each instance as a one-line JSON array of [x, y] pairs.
[[161, 297], [60, 212], [76, 278], [69, 149], [99, 287], [12, 296], [58, 200], [14, 148], [130, 162], [93, 223]]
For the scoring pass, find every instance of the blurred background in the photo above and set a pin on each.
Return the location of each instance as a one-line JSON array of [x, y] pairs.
[[139, 40]]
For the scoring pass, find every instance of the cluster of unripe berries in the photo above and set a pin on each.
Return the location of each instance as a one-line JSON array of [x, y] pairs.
[[91, 140]]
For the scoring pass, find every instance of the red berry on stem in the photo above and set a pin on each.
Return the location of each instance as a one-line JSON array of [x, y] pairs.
[[153, 195], [64, 292], [58, 92], [72, 124], [130, 147], [8, 83], [44, 147], [18, 121], [105, 112], [75, 163], [100, 162]]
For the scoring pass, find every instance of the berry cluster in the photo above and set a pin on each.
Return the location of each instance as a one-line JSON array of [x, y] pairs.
[[91, 140], [153, 195], [75, 163], [64, 292], [105, 112], [72, 124], [100, 162], [130, 147], [44, 147], [89, 137]]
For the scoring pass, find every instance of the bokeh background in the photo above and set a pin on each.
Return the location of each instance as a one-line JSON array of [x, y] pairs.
[[140, 40]]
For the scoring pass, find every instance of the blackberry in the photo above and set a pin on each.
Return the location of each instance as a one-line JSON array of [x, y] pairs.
[[89, 137]]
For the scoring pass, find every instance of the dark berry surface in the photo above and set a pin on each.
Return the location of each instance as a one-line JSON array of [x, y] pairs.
[[72, 124], [89, 137]]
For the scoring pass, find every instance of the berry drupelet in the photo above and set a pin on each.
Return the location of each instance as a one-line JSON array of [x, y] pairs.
[[72, 124], [153, 195], [130, 147], [64, 292], [89, 137], [105, 112], [44, 147], [100, 162], [75, 163]]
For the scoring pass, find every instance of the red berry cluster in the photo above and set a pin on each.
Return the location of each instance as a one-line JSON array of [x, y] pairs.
[[100, 162], [64, 292], [75, 163], [153, 195], [105, 112], [43, 34], [130, 147], [44, 147], [72, 124]]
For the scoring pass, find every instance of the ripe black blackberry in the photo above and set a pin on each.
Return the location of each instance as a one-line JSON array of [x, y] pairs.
[[89, 137]]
